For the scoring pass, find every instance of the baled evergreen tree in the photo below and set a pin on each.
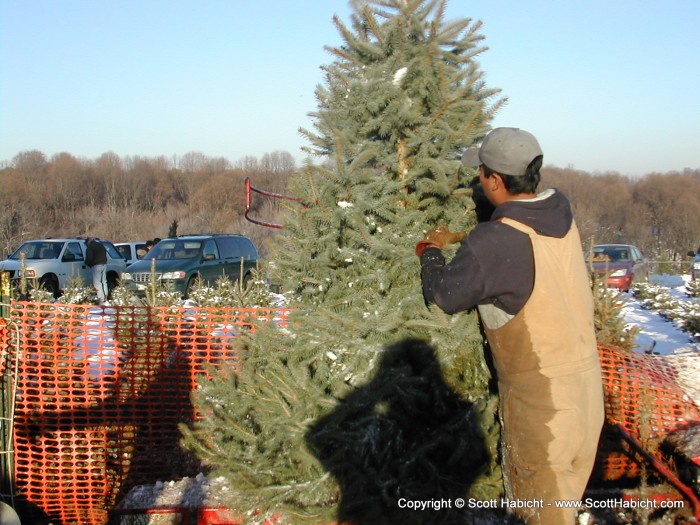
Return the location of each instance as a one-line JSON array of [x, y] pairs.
[[368, 395]]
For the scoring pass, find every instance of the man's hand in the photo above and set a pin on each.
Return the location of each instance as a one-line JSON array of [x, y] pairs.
[[438, 237], [441, 235]]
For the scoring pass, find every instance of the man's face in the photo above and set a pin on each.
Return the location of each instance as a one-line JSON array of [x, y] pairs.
[[486, 184]]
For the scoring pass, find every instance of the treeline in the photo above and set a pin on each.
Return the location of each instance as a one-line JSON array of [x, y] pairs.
[[139, 198], [659, 212], [135, 198]]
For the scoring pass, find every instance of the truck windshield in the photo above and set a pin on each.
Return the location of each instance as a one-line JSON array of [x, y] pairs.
[[38, 250]]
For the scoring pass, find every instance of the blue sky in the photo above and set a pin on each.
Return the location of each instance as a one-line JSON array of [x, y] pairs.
[[605, 85]]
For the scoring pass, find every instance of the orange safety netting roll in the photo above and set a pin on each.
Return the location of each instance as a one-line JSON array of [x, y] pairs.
[[101, 393], [643, 396], [102, 390]]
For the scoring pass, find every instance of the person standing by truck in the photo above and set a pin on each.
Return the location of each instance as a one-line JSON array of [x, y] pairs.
[[96, 259]]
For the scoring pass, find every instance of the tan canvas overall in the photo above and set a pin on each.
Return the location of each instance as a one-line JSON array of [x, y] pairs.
[[550, 384]]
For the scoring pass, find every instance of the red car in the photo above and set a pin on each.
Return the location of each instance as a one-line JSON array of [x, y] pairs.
[[623, 264]]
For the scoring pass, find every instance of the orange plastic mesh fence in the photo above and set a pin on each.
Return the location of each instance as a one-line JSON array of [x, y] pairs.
[[102, 390], [642, 395], [101, 393]]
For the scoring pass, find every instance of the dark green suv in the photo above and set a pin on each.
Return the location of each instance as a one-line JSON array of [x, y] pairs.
[[185, 260]]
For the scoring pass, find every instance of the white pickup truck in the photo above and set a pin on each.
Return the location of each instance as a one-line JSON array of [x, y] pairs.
[[51, 263]]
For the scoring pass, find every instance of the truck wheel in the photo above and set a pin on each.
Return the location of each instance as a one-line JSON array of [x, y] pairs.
[[112, 282], [50, 285], [191, 284]]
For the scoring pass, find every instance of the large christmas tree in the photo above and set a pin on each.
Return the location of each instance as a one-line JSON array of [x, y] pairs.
[[368, 395]]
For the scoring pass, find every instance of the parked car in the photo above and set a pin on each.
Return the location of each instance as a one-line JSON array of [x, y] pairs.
[[695, 270], [131, 251], [184, 260], [51, 263], [621, 264]]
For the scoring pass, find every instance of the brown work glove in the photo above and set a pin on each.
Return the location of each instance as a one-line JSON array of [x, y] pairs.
[[438, 237]]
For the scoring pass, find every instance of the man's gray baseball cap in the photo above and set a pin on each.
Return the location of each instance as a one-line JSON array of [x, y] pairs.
[[508, 151]]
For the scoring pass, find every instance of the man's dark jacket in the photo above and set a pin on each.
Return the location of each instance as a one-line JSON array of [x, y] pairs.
[[96, 253]]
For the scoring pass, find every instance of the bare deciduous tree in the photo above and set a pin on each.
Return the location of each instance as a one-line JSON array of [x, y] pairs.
[[138, 198]]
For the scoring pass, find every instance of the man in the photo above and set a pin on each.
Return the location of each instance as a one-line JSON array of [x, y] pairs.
[[525, 271], [96, 258], [141, 252]]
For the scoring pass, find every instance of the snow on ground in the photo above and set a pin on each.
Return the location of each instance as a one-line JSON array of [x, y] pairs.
[[660, 336], [657, 333]]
